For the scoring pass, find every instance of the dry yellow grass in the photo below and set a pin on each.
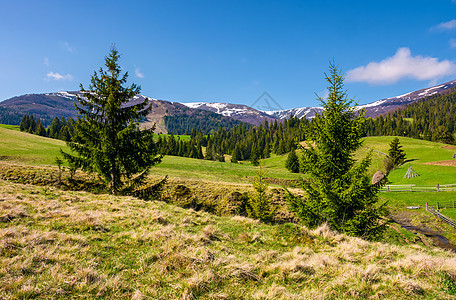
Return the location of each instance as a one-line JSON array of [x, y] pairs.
[[60, 244]]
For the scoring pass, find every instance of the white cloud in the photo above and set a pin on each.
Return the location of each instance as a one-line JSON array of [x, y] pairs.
[[57, 76], [46, 61], [66, 46], [138, 73], [447, 25], [453, 42], [402, 65]]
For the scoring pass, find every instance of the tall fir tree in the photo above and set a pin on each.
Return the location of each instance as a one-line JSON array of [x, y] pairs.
[[107, 137], [339, 191], [254, 157], [292, 162], [235, 155], [40, 130], [32, 125], [25, 123], [396, 154]]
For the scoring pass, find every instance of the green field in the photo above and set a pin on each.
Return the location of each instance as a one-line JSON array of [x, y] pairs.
[[14, 127], [32, 149], [183, 137], [69, 244], [183, 167], [418, 152], [28, 148]]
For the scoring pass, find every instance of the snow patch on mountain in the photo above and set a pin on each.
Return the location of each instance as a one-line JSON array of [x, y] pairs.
[[63, 94], [225, 109]]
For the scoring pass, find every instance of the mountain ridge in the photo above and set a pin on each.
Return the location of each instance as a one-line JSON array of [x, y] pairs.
[[61, 104], [376, 108]]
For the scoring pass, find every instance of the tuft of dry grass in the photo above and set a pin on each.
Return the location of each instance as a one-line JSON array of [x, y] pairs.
[[63, 244]]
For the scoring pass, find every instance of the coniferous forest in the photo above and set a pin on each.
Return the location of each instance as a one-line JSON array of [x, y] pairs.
[[431, 119]]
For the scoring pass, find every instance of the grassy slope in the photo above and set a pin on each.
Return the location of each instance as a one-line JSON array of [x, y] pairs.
[[68, 243], [28, 148], [32, 149], [418, 152], [14, 127], [74, 244], [183, 167]]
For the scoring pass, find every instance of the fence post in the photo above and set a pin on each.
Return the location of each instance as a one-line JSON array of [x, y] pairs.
[[438, 188], [388, 188], [437, 205], [411, 190], [453, 202], [426, 206]]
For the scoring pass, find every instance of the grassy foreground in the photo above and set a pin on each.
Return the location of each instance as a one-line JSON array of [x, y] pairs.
[[64, 244], [59, 244]]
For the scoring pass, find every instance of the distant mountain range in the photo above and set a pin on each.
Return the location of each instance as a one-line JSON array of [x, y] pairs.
[[61, 104], [376, 108], [373, 109]]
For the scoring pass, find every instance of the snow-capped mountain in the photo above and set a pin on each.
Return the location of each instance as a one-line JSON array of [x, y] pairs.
[[239, 112], [301, 112], [376, 108]]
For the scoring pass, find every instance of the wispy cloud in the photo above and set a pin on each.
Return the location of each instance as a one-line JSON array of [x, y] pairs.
[[58, 76], [46, 61], [402, 65], [66, 46], [453, 42], [138, 73], [450, 25]]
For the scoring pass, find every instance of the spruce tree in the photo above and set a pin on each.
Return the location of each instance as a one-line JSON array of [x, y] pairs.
[[338, 191], [292, 162], [260, 201], [107, 137], [25, 123], [40, 130], [396, 154], [32, 125], [254, 157], [235, 155], [55, 127]]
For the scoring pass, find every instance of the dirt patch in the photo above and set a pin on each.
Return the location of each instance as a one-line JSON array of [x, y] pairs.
[[304, 144], [446, 163], [449, 147]]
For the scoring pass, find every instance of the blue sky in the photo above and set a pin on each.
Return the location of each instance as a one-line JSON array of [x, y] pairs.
[[230, 51]]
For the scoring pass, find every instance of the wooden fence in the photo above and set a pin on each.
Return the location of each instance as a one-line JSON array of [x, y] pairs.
[[418, 188], [436, 213]]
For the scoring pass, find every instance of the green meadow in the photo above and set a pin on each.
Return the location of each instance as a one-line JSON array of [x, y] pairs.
[[32, 149], [28, 148], [74, 244]]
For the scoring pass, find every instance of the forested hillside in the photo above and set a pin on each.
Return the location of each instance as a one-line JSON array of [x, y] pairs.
[[241, 142], [430, 119], [10, 117], [204, 121]]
